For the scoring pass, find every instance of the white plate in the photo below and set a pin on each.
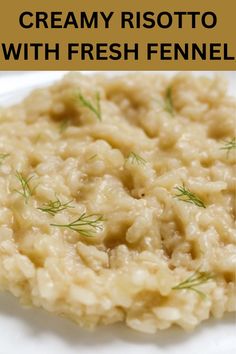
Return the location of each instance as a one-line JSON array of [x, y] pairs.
[[36, 331]]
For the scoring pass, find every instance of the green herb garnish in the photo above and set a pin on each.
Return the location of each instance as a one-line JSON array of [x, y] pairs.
[[85, 225], [187, 196], [64, 125], [92, 157], [3, 157], [95, 108], [169, 107], [54, 207], [26, 191], [135, 158], [229, 145], [192, 282]]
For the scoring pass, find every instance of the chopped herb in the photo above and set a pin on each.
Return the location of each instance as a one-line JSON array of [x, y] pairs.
[[64, 125], [3, 157], [92, 157], [96, 109], [229, 145], [54, 207], [26, 191], [192, 282], [186, 196], [85, 225], [135, 158], [169, 102]]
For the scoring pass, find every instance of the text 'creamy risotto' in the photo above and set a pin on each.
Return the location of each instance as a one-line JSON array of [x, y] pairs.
[[117, 200]]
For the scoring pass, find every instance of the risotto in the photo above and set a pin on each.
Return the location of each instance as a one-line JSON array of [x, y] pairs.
[[117, 200]]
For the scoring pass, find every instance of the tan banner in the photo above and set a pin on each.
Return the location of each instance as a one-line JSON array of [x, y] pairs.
[[118, 35]]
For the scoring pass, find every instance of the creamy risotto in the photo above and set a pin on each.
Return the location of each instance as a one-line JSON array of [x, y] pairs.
[[117, 200]]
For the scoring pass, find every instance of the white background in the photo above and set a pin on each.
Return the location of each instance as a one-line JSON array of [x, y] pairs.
[[34, 331]]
